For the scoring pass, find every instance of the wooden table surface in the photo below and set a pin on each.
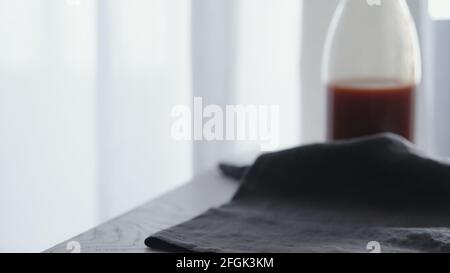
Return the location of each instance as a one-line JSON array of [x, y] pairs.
[[127, 232]]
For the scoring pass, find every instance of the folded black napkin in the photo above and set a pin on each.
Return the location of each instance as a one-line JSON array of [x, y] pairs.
[[333, 197]]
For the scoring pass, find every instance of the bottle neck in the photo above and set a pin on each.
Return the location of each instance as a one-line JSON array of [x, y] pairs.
[[379, 5], [375, 10]]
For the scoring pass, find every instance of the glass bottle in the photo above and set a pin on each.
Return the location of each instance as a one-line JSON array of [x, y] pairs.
[[371, 69]]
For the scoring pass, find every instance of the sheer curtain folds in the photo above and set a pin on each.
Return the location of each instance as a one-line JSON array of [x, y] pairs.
[[86, 89]]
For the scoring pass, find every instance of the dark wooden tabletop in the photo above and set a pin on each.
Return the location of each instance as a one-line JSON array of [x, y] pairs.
[[127, 232]]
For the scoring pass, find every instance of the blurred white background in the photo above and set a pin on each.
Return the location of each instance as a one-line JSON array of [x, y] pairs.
[[87, 87]]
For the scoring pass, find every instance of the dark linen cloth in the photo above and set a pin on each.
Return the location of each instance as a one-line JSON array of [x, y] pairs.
[[334, 197]]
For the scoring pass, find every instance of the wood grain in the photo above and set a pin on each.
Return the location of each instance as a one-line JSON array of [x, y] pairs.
[[127, 233]]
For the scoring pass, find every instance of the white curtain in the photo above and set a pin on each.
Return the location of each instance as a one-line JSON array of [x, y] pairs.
[[247, 52], [436, 40], [433, 128], [86, 93], [47, 130]]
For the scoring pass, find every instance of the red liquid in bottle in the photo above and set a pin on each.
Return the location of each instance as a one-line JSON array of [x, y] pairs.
[[360, 108]]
